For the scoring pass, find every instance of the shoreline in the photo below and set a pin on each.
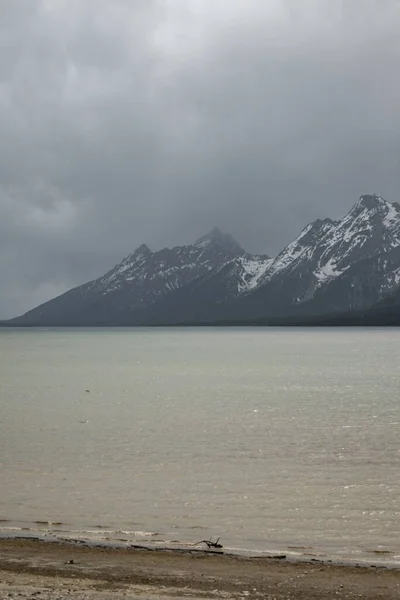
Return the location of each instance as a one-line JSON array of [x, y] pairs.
[[31, 566], [291, 554]]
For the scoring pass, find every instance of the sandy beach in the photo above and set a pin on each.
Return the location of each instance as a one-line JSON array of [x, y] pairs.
[[30, 568]]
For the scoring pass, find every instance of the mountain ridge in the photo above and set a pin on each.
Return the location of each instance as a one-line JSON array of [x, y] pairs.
[[331, 266]]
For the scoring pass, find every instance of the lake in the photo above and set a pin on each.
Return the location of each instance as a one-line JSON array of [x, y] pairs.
[[274, 440]]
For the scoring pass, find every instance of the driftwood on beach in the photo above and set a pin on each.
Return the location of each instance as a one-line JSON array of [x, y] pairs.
[[210, 543]]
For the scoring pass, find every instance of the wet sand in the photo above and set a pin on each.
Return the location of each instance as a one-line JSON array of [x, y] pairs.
[[34, 569]]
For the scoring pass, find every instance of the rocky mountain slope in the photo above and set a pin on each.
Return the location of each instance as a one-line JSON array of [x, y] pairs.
[[136, 289], [332, 266], [335, 265]]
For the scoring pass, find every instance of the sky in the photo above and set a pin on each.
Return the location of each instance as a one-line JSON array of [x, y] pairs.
[[152, 121]]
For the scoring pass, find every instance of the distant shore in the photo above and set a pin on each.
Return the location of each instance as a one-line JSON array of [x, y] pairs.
[[61, 570]]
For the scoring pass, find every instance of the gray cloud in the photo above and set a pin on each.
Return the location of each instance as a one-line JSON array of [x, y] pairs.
[[123, 122]]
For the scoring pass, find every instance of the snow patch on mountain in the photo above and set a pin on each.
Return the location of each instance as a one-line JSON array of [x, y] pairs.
[[301, 249], [328, 271], [292, 252], [396, 275], [252, 271], [392, 216]]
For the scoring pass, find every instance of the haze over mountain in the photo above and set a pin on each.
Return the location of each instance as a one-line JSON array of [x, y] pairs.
[[331, 267], [152, 121]]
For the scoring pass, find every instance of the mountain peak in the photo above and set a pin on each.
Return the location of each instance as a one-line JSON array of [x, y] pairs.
[[370, 201], [214, 234], [142, 249], [372, 208], [222, 241]]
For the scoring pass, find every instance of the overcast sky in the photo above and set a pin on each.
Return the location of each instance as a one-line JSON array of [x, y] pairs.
[[130, 121]]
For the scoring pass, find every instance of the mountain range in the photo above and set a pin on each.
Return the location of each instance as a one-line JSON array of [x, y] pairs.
[[332, 268]]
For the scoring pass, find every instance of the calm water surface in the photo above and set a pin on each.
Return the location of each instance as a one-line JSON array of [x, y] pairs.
[[273, 439]]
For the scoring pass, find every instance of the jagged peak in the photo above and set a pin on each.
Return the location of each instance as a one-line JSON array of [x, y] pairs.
[[369, 202], [142, 249], [322, 223], [317, 226], [371, 199], [219, 239], [374, 206], [326, 221], [214, 234]]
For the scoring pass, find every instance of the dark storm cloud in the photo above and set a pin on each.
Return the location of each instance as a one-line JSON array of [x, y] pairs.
[[123, 122]]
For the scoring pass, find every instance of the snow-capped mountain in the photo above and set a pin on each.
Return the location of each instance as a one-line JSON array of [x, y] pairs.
[[329, 256], [147, 275], [331, 266], [371, 227], [136, 289]]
